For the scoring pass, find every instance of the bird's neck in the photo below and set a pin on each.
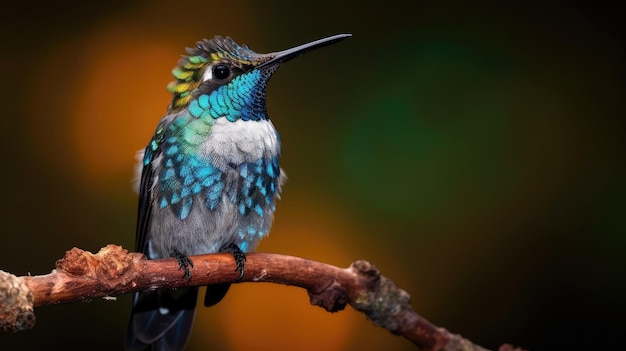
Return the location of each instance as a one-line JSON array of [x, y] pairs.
[[242, 98]]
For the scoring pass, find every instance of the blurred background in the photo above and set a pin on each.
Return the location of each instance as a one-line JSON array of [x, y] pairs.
[[473, 152]]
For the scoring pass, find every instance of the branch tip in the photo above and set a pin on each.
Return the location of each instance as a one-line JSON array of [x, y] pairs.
[[16, 304]]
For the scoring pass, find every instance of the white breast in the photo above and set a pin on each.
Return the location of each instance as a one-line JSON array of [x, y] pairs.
[[240, 141]]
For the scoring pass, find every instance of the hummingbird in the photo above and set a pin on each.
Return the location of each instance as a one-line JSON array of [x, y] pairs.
[[209, 178]]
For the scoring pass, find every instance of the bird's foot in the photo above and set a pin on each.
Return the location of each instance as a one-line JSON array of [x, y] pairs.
[[184, 262], [240, 258]]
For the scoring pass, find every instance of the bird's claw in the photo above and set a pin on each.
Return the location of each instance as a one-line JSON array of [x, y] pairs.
[[184, 262], [240, 258]]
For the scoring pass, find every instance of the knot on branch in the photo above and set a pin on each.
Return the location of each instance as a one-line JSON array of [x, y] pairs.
[[382, 302], [332, 298], [16, 304], [111, 266]]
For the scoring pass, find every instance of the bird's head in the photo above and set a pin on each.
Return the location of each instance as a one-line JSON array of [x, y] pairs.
[[231, 76]]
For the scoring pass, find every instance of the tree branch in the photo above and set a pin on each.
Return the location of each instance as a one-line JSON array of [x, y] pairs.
[[81, 275]]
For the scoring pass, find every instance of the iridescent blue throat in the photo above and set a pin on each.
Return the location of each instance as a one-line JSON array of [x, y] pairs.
[[242, 98]]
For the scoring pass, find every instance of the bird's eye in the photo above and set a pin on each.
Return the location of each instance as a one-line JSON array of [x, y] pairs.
[[221, 72]]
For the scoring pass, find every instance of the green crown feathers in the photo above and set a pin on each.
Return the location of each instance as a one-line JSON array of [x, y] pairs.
[[190, 69]]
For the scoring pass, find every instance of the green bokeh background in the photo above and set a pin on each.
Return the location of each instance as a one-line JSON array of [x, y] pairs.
[[478, 148]]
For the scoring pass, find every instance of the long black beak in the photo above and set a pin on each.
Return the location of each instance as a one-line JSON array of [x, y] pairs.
[[286, 55]]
